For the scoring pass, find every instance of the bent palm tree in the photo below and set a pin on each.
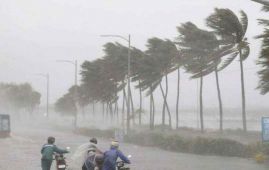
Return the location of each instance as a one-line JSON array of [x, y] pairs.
[[163, 52], [196, 47], [231, 31]]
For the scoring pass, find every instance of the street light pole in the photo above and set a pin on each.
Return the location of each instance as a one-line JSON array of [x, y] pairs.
[[75, 63], [47, 78], [76, 93], [128, 74]]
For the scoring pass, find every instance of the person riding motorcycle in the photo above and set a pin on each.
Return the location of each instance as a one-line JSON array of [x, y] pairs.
[[47, 152], [93, 157], [111, 156]]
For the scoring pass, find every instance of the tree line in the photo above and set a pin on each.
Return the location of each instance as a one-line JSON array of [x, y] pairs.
[[18, 97], [197, 51]]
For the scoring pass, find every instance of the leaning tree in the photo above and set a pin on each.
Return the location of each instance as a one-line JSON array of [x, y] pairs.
[[163, 53], [198, 49], [231, 32]]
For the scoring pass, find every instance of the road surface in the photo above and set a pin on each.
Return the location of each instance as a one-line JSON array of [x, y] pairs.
[[22, 151]]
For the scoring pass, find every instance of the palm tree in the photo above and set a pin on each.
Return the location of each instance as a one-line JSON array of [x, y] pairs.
[[149, 81], [178, 92], [231, 31], [198, 49], [137, 60], [163, 52], [97, 80], [178, 63], [263, 60]]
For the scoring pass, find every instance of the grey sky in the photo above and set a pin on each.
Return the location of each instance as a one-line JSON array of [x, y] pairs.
[[36, 33]]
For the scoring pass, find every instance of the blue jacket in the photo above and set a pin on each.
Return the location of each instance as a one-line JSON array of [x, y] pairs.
[[110, 160]]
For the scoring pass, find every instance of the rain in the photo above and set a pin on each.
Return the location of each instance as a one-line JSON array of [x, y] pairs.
[[169, 84]]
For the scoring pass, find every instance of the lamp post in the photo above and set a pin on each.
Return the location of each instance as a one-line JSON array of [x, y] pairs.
[[128, 74], [47, 78], [75, 64]]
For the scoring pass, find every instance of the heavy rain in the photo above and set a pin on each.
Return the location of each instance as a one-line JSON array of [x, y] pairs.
[[134, 85]]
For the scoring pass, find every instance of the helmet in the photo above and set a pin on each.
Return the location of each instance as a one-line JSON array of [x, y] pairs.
[[93, 140], [115, 144], [51, 140]]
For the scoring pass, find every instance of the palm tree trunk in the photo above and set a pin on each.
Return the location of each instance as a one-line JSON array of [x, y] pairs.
[[116, 106], [243, 93], [83, 111], [153, 111], [150, 112], [201, 105], [123, 107], [111, 112], [132, 105], [117, 112], [166, 104], [140, 104], [106, 111], [163, 111], [220, 101], [168, 110], [103, 110], [177, 105], [93, 108]]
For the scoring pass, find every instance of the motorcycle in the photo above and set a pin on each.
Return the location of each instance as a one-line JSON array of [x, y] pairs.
[[122, 166], [60, 161]]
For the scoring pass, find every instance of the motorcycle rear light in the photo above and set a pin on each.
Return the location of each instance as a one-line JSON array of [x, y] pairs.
[[61, 166]]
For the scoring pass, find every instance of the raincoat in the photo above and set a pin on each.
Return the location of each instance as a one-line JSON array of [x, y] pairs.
[[111, 156], [47, 152]]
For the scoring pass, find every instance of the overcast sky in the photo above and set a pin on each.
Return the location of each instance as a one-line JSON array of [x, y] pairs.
[[36, 33]]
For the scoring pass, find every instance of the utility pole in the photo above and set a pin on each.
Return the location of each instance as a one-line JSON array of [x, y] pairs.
[[75, 97], [47, 78]]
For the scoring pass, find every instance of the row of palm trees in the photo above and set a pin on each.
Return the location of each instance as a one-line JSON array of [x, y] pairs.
[[197, 51]]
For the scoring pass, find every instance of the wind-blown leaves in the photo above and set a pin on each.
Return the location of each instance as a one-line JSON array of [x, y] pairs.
[[228, 61], [231, 31], [263, 2], [198, 49], [227, 25], [156, 63], [263, 60], [264, 80], [244, 22]]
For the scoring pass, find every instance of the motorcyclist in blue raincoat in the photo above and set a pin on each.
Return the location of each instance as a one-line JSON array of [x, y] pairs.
[[111, 156]]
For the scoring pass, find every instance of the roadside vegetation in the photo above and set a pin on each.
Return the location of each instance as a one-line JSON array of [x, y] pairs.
[[198, 144]]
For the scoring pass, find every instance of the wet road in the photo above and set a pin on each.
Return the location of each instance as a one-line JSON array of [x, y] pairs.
[[22, 151]]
